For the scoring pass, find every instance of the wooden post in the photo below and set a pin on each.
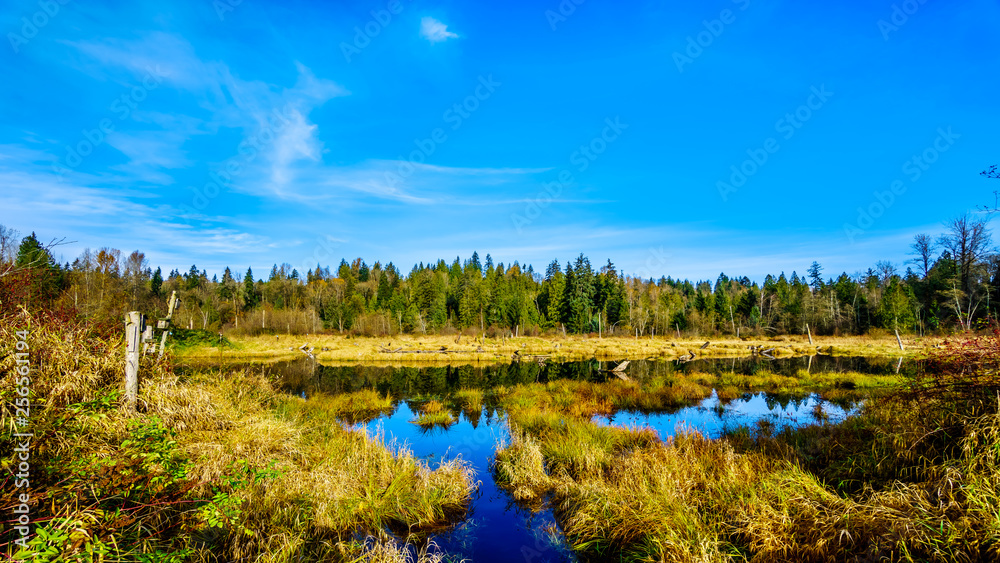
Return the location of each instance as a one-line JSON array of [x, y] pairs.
[[147, 337], [899, 340], [165, 324], [809, 332], [133, 327]]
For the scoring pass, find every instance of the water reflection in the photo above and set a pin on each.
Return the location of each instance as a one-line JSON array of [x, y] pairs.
[[495, 529], [309, 376], [711, 416], [498, 530]]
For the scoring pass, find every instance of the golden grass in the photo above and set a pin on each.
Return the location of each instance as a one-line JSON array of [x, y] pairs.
[[357, 407], [433, 414], [288, 478], [818, 493], [333, 348]]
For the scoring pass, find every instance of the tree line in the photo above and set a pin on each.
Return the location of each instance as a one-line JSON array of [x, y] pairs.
[[950, 283]]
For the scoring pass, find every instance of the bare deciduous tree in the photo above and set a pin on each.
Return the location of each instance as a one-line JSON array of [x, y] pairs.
[[923, 251], [8, 248], [886, 270], [968, 240]]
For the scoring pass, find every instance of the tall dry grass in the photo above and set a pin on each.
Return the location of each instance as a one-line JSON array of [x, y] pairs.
[[912, 478], [215, 466]]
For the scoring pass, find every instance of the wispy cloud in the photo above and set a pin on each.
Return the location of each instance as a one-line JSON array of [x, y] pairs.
[[435, 31], [313, 181], [216, 99]]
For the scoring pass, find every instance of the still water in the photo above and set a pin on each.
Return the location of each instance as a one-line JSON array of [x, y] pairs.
[[495, 528]]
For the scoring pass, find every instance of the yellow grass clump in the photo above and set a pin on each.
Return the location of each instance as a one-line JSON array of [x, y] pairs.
[[212, 466]]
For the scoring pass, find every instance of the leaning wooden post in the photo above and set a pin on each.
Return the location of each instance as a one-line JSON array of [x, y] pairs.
[[899, 340], [809, 332], [165, 323], [133, 328]]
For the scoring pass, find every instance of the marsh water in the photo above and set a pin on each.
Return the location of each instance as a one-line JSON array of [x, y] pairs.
[[496, 529]]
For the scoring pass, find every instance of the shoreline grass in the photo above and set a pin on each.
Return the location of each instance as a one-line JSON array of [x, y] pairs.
[[333, 348], [433, 414], [213, 466], [904, 480]]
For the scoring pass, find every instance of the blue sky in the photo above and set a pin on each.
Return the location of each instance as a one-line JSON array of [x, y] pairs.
[[676, 139]]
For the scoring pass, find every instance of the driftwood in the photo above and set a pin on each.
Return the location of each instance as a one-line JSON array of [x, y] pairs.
[[401, 351], [538, 357], [307, 350], [619, 370], [760, 351], [705, 345]]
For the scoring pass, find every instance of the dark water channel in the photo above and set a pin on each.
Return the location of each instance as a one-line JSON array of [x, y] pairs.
[[498, 530]]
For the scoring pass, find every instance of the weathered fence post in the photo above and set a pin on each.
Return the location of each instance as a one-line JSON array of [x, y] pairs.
[[899, 340], [809, 332], [165, 323], [133, 328], [147, 337]]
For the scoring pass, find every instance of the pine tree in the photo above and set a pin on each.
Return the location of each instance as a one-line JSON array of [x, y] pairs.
[[249, 290], [156, 282], [46, 275], [816, 276], [192, 278]]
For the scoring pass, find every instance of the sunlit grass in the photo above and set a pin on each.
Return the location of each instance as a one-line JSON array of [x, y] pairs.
[[229, 469], [433, 414], [356, 407], [334, 347], [891, 483]]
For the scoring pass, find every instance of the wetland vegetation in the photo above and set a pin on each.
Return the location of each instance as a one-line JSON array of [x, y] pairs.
[[770, 436]]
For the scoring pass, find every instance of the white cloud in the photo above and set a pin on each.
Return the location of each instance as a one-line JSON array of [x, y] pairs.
[[435, 31], [230, 102]]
